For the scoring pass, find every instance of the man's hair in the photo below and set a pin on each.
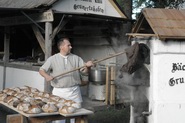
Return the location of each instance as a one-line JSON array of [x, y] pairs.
[[60, 42]]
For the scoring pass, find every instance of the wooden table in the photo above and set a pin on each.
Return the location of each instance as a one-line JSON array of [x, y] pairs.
[[80, 116]]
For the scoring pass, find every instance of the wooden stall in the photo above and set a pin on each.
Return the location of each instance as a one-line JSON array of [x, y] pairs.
[[29, 31], [37, 27]]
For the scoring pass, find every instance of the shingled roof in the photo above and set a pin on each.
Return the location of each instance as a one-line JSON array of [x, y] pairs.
[[163, 23], [26, 4]]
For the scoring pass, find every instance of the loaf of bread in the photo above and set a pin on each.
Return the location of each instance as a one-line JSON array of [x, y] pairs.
[[49, 108], [25, 88], [60, 105], [61, 100], [37, 97], [68, 102], [24, 106], [67, 110], [45, 100], [34, 90], [17, 89], [19, 95], [23, 97], [11, 92], [28, 99], [6, 90], [34, 109], [14, 102], [54, 98], [38, 102], [3, 96], [12, 98], [72, 103], [7, 98], [43, 94], [76, 105]]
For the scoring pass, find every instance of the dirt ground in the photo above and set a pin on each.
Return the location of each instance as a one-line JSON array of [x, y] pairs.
[[118, 114]]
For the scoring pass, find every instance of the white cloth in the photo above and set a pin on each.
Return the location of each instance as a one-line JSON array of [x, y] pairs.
[[71, 93]]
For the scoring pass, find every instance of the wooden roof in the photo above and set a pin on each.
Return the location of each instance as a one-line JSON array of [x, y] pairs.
[[164, 23]]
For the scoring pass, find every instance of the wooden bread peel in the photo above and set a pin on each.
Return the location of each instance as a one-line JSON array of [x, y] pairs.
[[97, 61]]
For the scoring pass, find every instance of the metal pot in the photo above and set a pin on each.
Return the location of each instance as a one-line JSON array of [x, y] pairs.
[[97, 75]]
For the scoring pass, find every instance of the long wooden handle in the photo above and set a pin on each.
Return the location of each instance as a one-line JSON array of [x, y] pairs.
[[97, 61]]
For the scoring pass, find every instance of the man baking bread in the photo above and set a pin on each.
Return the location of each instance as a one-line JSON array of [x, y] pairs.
[[66, 86]]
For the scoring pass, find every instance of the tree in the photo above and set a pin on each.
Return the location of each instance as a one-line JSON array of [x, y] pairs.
[[126, 6], [158, 3], [139, 4]]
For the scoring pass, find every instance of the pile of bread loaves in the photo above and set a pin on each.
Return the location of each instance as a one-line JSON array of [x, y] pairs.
[[31, 100]]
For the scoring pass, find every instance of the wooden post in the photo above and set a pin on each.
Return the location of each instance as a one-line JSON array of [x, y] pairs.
[[112, 86], [48, 39], [48, 49], [6, 52], [107, 86]]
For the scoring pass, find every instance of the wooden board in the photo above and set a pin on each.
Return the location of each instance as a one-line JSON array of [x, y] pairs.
[[79, 112], [18, 20]]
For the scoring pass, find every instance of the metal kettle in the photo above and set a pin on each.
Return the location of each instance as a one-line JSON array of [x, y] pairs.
[[97, 74]]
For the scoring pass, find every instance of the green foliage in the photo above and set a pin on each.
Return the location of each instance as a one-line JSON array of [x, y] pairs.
[[139, 4], [121, 3], [158, 3]]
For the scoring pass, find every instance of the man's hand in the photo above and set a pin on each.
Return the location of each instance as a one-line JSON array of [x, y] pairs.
[[49, 78], [45, 75], [89, 64]]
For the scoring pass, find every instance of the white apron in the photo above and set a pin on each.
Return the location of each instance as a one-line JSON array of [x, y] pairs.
[[72, 93]]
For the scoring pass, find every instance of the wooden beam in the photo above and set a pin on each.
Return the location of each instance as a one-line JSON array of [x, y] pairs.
[[58, 27], [107, 86], [28, 17], [6, 52], [112, 86], [18, 20], [48, 39], [39, 37], [141, 35], [137, 25], [7, 44], [48, 47]]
